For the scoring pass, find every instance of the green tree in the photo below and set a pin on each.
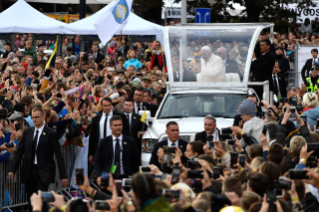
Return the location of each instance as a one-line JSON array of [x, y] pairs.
[[268, 10]]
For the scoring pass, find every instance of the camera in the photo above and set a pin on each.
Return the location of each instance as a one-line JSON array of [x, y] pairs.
[[102, 205], [293, 101], [283, 99], [230, 141], [47, 197], [210, 144], [144, 169]]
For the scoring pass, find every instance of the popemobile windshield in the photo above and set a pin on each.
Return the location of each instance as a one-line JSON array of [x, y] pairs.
[[184, 48]]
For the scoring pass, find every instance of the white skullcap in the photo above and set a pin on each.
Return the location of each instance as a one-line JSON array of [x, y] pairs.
[[206, 48]]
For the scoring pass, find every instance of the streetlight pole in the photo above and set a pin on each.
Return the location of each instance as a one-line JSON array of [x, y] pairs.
[[184, 11], [82, 9]]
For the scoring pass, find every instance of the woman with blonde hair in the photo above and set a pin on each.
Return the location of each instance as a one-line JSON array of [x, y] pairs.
[[311, 110], [156, 56]]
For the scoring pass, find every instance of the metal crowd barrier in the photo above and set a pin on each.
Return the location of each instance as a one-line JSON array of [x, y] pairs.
[[12, 194]]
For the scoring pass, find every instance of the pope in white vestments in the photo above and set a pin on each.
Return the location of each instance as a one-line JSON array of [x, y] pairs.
[[212, 67]]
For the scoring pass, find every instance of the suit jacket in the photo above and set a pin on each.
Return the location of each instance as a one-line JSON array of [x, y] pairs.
[[136, 126], [282, 85], [95, 131], [104, 156], [154, 159], [202, 136], [232, 67], [262, 68], [99, 57], [148, 107], [48, 146], [306, 69]]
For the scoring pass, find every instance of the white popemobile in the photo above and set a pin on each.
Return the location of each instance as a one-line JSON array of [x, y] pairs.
[[218, 89]]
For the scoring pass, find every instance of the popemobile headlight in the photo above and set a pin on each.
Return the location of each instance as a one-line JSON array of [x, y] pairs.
[[148, 144]]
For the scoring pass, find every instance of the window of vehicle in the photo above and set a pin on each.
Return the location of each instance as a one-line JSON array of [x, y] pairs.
[[201, 105]]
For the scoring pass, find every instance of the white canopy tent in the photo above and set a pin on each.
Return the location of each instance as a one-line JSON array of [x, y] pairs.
[[69, 1], [135, 26], [22, 18]]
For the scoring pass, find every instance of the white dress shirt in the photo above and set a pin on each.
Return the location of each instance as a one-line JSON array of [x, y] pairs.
[[121, 148], [314, 60], [136, 108], [215, 135], [169, 143], [94, 56], [108, 129], [39, 135], [276, 77]]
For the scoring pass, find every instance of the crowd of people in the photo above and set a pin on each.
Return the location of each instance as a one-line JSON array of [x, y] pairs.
[[258, 164]]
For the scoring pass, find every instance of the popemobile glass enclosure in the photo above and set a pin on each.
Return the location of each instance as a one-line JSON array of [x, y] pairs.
[[211, 55]]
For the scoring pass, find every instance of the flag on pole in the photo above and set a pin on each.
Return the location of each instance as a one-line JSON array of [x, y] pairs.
[[143, 118], [113, 20], [53, 55]]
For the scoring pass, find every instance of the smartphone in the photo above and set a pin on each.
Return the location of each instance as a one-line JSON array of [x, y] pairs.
[[304, 118], [298, 174], [195, 174], [17, 126], [230, 141], [118, 184], [175, 174], [102, 205], [271, 198], [193, 164], [168, 150], [282, 184], [225, 131], [105, 178], [79, 176], [265, 130], [233, 159], [127, 184], [47, 197], [216, 172], [145, 169], [317, 123], [242, 160], [34, 85], [210, 144], [172, 194], [9, 145], [313, 147]]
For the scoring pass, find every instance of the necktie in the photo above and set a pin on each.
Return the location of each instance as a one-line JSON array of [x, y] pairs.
[[173, 144], [95, 54], [34, 144], [210, 138], [117, 156], [105, 125], [275, 85], [129, 123], [139, 107]]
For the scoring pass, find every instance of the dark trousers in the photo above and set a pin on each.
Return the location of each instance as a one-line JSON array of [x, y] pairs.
[[34, 184]]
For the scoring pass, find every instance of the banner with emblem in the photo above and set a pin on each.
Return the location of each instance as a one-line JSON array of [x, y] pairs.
[[113, 19]]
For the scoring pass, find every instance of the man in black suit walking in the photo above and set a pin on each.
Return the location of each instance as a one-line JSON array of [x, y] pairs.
[[134, 123], [279, 82], [37, 147], [172, 131], [139, 104], [101, 126], [116, 151], [97, 56], [231, 66], [305, 71], [210, 129], [261, 68]]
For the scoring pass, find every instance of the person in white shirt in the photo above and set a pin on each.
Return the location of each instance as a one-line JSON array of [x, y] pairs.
[[213, 69]]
